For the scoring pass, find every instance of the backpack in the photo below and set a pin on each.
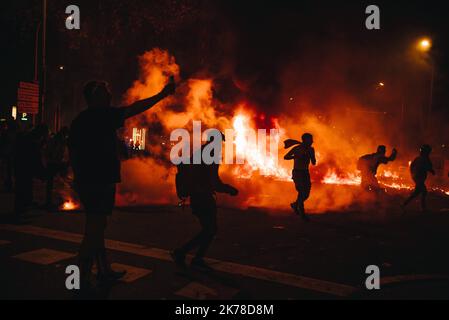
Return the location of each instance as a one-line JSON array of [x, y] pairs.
[[363, 162], [184, 180]]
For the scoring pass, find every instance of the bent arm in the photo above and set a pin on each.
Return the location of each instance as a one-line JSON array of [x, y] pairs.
[[393, 155], [146, 104], [312, 156], [290, 155], [143, 105], [221, 187]]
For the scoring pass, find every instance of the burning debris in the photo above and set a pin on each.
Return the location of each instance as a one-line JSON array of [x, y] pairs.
[[340, 140]]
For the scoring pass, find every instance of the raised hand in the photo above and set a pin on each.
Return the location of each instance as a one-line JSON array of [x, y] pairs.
[[170, 88]]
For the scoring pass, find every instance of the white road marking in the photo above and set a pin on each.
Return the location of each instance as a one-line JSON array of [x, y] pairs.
[[288, 279], [44, 256], [132, 273], [197, 291]]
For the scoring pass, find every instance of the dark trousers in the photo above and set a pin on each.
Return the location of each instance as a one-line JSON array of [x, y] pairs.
[[303, 185], [53, 169], [23, 193], [420, 189], [8, 172], [205, 209], [369, 182]]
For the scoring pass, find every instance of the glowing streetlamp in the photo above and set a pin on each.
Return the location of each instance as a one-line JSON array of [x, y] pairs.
[[424, 44]]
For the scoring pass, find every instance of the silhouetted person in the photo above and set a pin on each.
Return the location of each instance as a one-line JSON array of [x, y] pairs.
[[303, 154], [368, 165], [28, 164], [94, 157], [205, 183], [8, 144], [57, 162], [419, 169]]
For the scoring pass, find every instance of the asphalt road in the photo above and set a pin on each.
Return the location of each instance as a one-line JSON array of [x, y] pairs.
[[258, 254]]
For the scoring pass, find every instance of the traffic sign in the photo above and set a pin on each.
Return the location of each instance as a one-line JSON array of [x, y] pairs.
[[28, 97]]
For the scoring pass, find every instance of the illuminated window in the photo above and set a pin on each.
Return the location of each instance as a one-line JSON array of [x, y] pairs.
[[14, 112], [139, 138]]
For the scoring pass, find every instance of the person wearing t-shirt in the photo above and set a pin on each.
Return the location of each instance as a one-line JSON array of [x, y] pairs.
[[93, 147], [303, 154]]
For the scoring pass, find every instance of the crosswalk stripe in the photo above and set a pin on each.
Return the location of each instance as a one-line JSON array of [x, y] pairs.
[[132, 273], [288, 279], [197, 291], [44, 256]]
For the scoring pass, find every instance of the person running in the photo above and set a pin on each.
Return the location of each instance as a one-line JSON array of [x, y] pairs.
[[93, 153], [303, 154], [368, 165], [204, 183], [419, 169]]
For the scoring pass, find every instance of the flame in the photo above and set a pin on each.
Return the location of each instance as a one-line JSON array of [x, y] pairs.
[[340, 140], [69, 205], [350, 179], [256, 156]]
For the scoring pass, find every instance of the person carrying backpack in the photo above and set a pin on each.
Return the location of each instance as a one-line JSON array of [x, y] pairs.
[[200, 183], [368, 164]]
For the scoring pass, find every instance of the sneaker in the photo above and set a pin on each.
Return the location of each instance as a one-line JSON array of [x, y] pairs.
[[201, 264], [178, 258]]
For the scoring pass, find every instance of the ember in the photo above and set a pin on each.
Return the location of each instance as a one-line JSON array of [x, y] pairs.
[[69, 205]]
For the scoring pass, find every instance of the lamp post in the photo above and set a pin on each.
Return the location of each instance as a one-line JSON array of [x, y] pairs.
[[424, 46]]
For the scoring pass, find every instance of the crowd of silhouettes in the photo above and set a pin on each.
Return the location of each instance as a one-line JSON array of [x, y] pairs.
[[27, 153]]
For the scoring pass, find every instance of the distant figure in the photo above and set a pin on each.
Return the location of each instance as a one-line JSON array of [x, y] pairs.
[[7, 151], [419, 169], [93, 149], [303, 154], [28, 165], [368, 165], [57, 163], [203, 183]]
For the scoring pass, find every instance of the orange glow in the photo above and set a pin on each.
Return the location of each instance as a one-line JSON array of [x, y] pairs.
[[70, 205], [257, 156], [341, 137], [424, 44]]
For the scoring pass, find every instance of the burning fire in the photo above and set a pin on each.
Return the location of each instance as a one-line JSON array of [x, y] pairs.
[[267, 164], [69, 205], [350, 179], [255, 153], [340, 140]]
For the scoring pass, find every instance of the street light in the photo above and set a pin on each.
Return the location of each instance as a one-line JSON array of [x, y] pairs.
[[424, 44]]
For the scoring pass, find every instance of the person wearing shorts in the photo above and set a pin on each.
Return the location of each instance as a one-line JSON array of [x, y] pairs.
[[93, 147]]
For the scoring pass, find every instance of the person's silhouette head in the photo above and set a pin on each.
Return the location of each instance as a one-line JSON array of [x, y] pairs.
[[381, 150], [97, 94], [40, 132], [307, 139], [425, 150]]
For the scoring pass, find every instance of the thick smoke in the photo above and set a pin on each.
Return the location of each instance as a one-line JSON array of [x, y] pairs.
[[343, 132]]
